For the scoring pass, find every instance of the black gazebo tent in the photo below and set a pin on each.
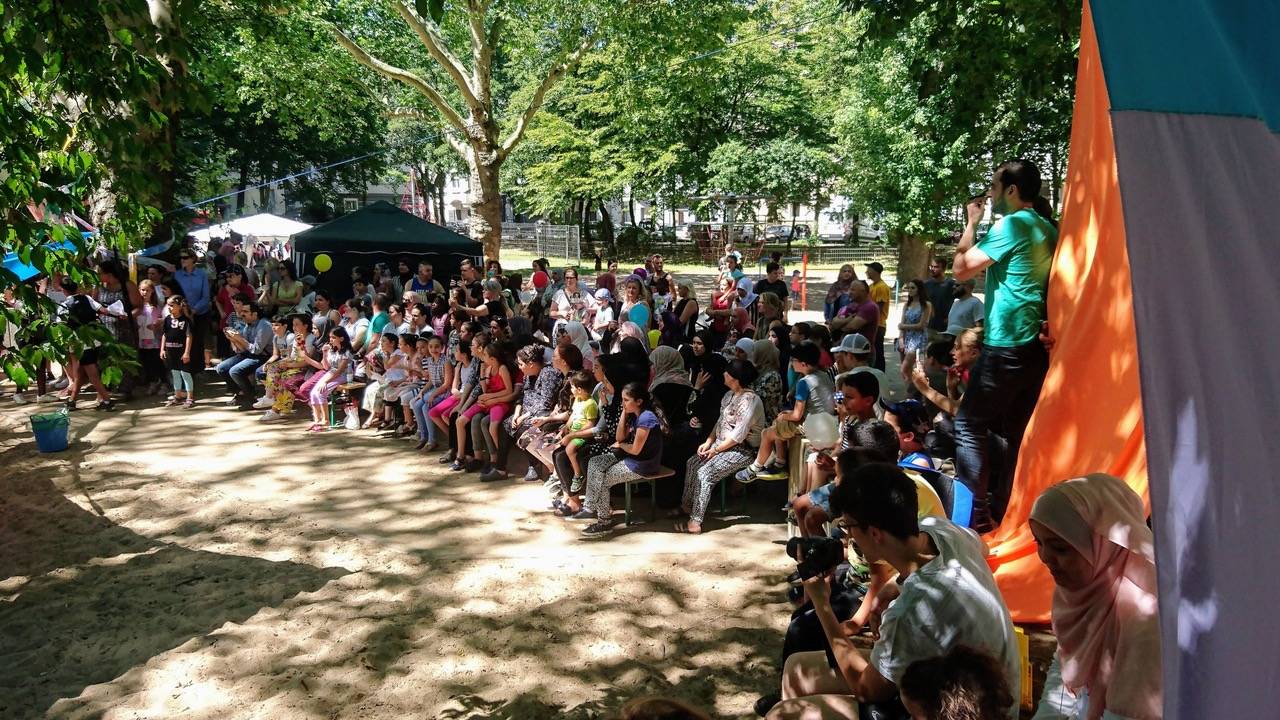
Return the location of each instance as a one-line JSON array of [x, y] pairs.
[[379, 232]]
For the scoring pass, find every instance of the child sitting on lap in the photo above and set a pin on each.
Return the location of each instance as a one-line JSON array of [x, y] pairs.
[[583, 415]]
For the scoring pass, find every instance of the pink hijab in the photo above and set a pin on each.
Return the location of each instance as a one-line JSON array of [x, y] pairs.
[[1108, 630]]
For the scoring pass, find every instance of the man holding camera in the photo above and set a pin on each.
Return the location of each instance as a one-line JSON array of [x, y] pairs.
[[944, 595]]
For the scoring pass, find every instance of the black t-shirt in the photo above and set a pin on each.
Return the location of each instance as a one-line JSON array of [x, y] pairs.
[[778, 288], [941, 294], [475, 292], [497, 308], [176, 330]]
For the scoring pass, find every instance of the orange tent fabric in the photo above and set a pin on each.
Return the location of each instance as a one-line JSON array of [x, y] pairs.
[[1089, 416]]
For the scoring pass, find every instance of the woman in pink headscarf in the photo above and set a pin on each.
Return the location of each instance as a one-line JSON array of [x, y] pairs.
[[1092, 535]]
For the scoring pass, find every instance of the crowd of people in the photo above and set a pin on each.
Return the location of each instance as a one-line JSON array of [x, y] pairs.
[[630, 375]]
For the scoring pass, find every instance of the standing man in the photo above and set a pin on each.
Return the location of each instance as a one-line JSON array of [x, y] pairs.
[[966, 310], [1004, 383], [941, 292], [773, 283], [471, 281], [195, 289], [882, 296], [861, 315]]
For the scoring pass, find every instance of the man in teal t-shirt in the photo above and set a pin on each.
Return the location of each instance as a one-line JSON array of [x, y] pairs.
[[1004, 383], [1020, 247]]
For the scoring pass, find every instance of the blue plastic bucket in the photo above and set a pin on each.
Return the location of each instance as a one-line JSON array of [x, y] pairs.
[[51, 431]]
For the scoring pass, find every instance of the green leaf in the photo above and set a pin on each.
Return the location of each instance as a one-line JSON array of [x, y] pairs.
[[433, 9]]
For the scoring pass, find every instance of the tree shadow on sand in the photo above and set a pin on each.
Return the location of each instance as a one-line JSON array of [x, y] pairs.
[[83, 600]]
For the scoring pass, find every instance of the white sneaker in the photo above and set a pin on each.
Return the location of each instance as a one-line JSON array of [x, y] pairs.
[[263, 403], [271, 416], [47, 397], [61, 383], [18, 399]]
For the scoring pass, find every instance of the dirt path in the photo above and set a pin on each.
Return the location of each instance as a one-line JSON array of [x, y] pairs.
[[195, 564]]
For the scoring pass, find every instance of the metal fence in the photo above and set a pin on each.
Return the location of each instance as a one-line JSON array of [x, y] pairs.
[[553, 242], [832, 255]]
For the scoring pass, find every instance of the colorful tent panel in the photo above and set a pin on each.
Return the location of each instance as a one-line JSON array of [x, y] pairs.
[[1195, 90]]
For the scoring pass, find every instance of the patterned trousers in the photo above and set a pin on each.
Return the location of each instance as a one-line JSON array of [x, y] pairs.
[[701, 477], [603, 472]]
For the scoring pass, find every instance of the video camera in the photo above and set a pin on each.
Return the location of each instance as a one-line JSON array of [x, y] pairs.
[[814, 556]]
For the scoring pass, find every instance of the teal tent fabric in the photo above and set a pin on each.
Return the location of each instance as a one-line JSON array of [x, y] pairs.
[[381, 227], [1192, 56]]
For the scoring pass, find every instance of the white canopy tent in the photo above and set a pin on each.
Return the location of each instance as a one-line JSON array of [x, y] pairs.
[[263, 227]]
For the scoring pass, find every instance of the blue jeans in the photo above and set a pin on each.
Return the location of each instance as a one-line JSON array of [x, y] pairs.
[[238, 372], [1004, 385], [426, 428]]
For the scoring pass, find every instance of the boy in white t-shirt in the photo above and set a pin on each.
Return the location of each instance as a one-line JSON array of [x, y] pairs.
[[944, 596], [603, 313]]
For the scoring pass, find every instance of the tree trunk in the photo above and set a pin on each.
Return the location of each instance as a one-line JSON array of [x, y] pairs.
[[913, 257], [486, 204], [606, 230], [241, 185]]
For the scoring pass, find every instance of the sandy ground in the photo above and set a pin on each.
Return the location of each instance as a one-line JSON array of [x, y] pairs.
[[197, 564]]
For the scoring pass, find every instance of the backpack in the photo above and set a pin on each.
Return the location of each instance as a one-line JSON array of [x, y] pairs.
[[80, 312]]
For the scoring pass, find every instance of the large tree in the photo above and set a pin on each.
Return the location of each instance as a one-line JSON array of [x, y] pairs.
[[84, 98], [930, 94], [485, 68]]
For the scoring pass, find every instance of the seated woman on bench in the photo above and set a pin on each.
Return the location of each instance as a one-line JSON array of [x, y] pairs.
[[728, 449]]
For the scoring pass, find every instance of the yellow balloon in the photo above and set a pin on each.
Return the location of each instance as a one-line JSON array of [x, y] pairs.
[[323, 262]]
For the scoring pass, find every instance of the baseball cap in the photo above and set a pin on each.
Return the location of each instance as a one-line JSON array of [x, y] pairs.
[[603, 294], [955, 330], [910, 413], [853, 343], [875, 266]]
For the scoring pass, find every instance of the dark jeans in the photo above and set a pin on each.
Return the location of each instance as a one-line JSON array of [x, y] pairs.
[[878, 345], [238, 372], [1004, 385]]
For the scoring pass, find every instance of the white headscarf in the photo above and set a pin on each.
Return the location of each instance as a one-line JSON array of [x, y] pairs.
[[578, 335]]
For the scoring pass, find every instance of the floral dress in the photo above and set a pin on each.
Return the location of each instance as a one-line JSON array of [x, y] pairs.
[[768, 387], [913, 340], [283, 382]]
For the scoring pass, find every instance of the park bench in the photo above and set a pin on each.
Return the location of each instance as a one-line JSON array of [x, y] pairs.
[[652, 478], [338, 398]]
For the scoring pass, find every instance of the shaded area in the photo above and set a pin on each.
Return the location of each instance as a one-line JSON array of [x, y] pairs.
[[85, 600]]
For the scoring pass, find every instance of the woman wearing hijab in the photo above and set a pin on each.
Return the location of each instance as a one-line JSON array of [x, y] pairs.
[[630, 330], [768, 382], [709, 390], [670, 331], [670, 385], [577, 334], [695, 352], [838, 293], [1091, 533]]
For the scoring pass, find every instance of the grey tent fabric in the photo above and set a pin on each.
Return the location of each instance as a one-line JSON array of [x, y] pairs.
[[1200, 218]]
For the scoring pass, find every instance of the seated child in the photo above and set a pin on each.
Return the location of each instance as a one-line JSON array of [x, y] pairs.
[[814, 394], [436, 374], [400, 383], [582, 416]]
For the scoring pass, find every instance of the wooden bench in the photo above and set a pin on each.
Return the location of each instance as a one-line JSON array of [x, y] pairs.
[[661, 473], [338, 398]]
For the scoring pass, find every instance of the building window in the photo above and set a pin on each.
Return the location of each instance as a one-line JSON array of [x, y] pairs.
[[350, 204]]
